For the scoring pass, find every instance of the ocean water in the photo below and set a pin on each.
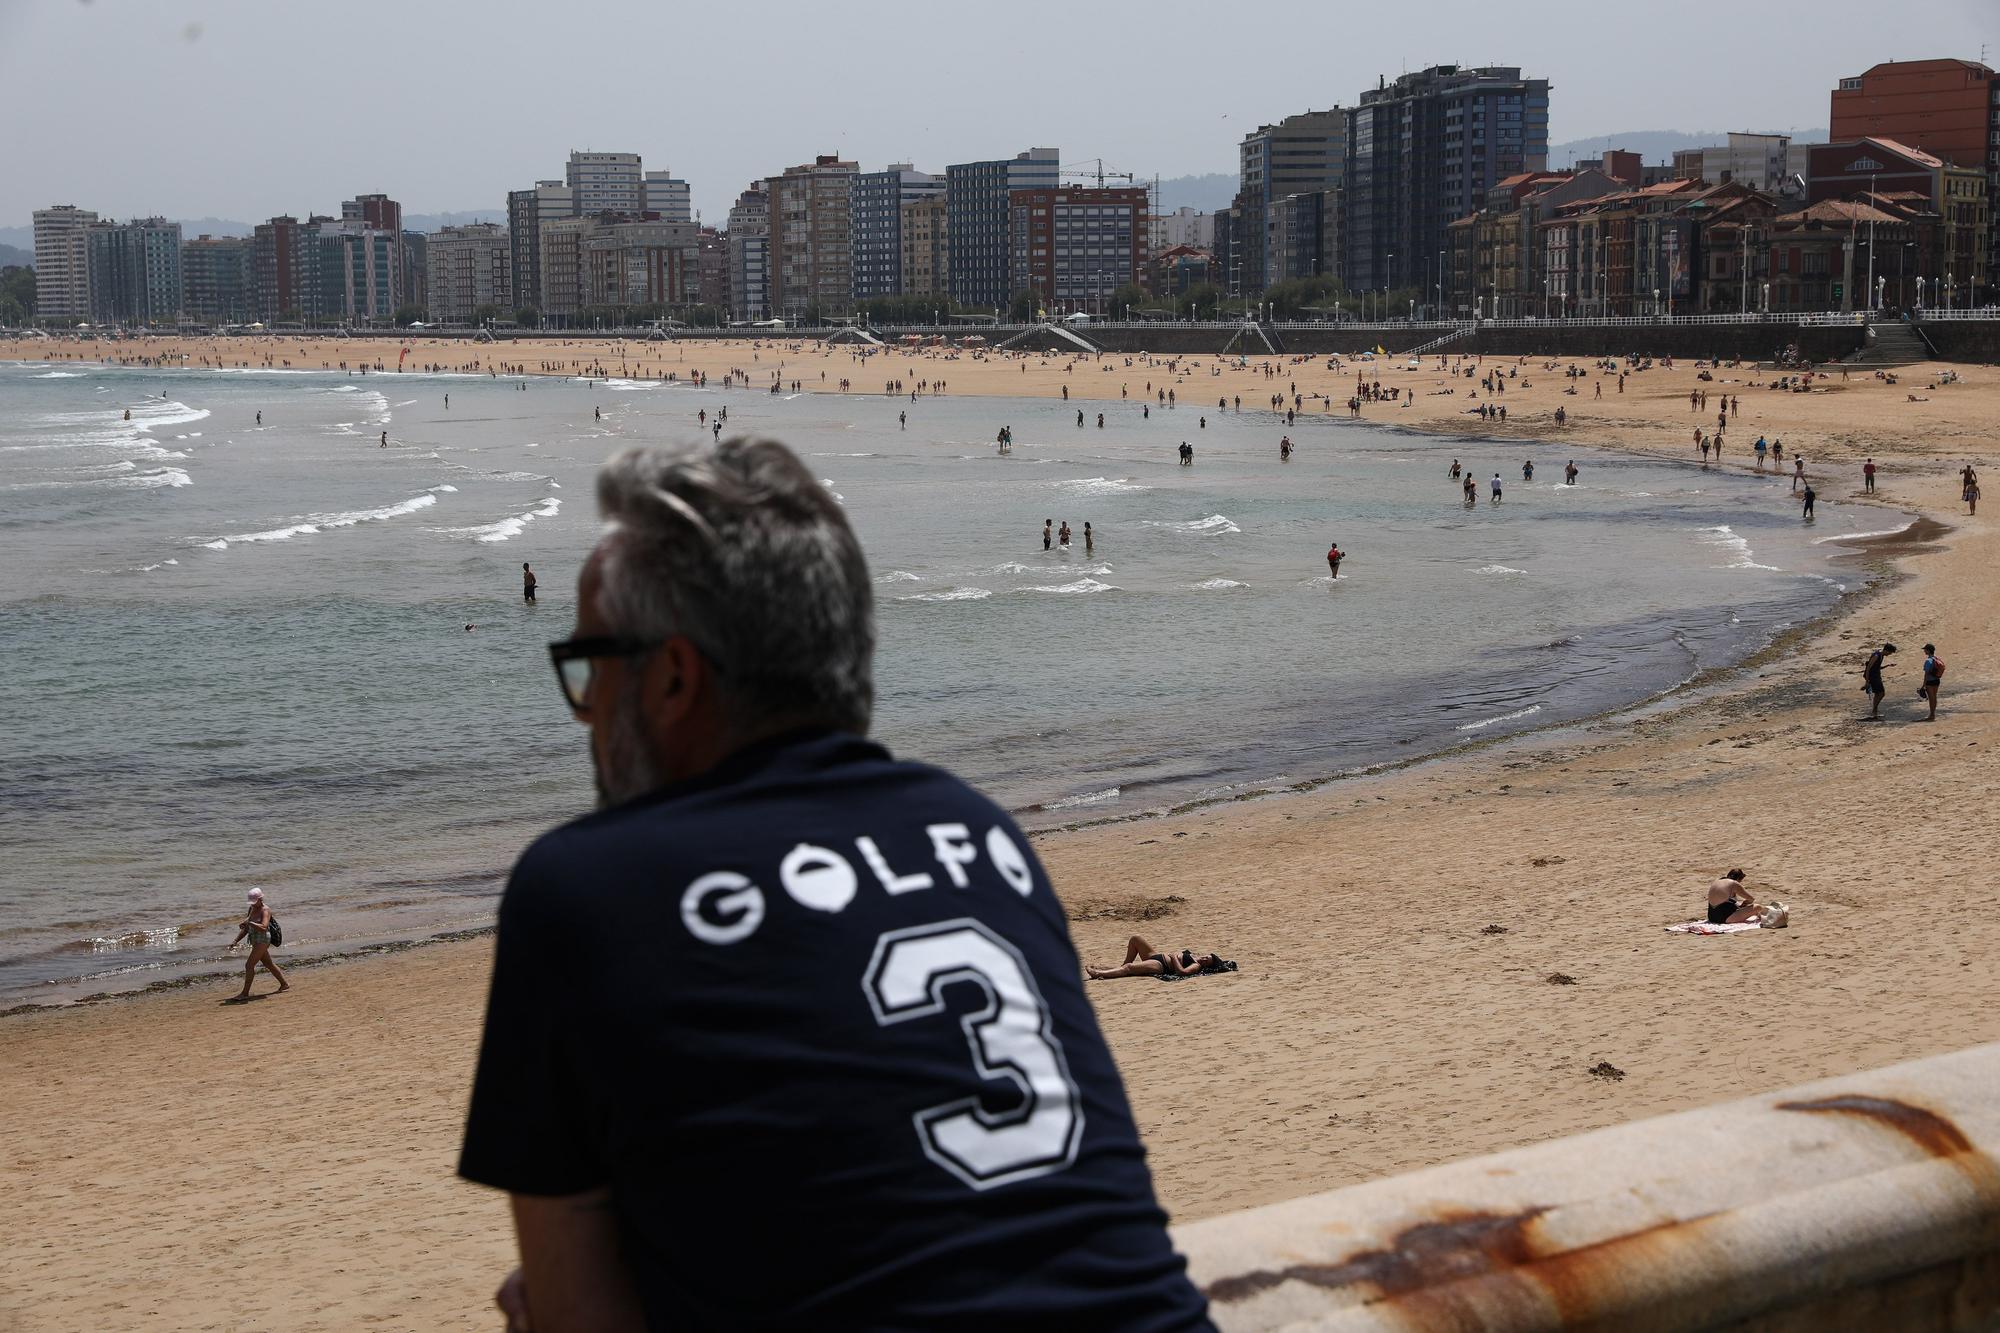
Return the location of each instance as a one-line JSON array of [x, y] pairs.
[[239, 654]]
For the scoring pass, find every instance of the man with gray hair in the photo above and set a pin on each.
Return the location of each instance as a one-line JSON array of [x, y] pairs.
[[790, 1033]]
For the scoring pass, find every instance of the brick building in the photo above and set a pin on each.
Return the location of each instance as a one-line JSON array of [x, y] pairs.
[[1076, 246], [1947, 108]]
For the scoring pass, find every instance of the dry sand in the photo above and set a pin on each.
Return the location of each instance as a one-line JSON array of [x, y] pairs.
[[176, 1163]]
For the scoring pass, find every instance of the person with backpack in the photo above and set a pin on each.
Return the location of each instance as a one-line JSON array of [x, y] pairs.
[[1933, 677], [261, 928]]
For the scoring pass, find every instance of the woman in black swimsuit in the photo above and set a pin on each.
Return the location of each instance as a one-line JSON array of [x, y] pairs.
[[1141, 961]]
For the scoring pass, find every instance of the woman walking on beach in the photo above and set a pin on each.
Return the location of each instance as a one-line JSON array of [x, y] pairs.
[[257, 926]]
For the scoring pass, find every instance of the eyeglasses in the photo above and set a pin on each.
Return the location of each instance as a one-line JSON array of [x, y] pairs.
[[576, 663]]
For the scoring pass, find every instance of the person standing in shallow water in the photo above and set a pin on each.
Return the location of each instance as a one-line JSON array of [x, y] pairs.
[[256, 927], [528, 581]]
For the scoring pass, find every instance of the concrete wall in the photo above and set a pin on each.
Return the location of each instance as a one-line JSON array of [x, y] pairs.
[[1751, 341], [1956, 340], [1846, 1206], [1967, 340]]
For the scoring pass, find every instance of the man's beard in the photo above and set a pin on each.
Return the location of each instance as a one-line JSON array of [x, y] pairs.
[[627, 768]]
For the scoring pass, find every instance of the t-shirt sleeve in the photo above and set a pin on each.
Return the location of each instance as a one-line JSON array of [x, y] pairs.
[[530, 1129]]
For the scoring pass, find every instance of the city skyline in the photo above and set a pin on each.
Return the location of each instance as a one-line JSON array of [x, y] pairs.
[[445, 135]]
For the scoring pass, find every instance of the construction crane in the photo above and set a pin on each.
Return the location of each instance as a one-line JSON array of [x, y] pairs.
[[1077, 168]]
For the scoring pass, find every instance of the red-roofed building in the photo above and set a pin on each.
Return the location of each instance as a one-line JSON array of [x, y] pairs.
[[1957, 194], [1948, 108]]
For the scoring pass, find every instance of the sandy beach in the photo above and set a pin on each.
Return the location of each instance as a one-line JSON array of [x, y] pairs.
[[1432, 959]]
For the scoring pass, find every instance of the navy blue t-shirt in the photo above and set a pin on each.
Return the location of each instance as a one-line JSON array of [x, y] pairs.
[[815, 1020]]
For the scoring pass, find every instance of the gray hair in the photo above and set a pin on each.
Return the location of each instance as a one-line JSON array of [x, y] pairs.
[[740, 549]]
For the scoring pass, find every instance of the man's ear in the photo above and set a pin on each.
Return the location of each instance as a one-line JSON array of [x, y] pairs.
[[677, 676]]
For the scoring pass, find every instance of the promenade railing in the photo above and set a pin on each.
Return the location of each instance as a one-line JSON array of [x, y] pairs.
[[1851, 1205]]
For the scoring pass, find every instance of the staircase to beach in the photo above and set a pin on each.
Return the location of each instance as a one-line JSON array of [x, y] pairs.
[[1443, 340], [1891, 343]]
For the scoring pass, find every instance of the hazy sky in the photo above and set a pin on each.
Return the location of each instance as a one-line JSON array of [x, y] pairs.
[[242, 110]]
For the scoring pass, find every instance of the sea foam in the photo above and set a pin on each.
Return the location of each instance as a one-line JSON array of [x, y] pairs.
[[949, 595], [511, 527], [1215, 525], [314, 523]]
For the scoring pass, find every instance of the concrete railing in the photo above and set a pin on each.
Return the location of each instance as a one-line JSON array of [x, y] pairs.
[[1863, 1203]]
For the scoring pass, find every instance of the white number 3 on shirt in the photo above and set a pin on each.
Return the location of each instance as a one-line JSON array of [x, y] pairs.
[[1011, 1037]]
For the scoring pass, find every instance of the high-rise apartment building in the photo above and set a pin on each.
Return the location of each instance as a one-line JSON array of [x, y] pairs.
[[1074, 246], [1302, 236], [524, 234], [615, 259], [750, 254], [215, 280], [1422, 152], [412, 261], [978, 207], [879, 198], [62, 262], [606, 183], [134, 271], [672, 199], [347, 271], [1302, 154], [527, 210], [1947, 108], [711, 267], [274, 268], [378, 212], [373, 210], [629, 262], [812, 233], [467, 268], [926, 247]]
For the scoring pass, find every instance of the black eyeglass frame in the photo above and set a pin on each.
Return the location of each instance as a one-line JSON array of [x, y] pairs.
[[589, 649]]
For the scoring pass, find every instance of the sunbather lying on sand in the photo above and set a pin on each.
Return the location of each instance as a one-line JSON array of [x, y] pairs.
[[1142, 961]]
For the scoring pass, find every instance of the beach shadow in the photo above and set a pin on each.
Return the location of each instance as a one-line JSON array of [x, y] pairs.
[[247, 999]]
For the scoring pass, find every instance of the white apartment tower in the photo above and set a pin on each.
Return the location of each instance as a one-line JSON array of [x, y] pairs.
[[606, 183], [672, 199], [62, 262]]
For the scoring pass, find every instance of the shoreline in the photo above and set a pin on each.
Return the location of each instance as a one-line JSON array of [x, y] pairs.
[[1450, 750], [1528, 740], [1434, 961]]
